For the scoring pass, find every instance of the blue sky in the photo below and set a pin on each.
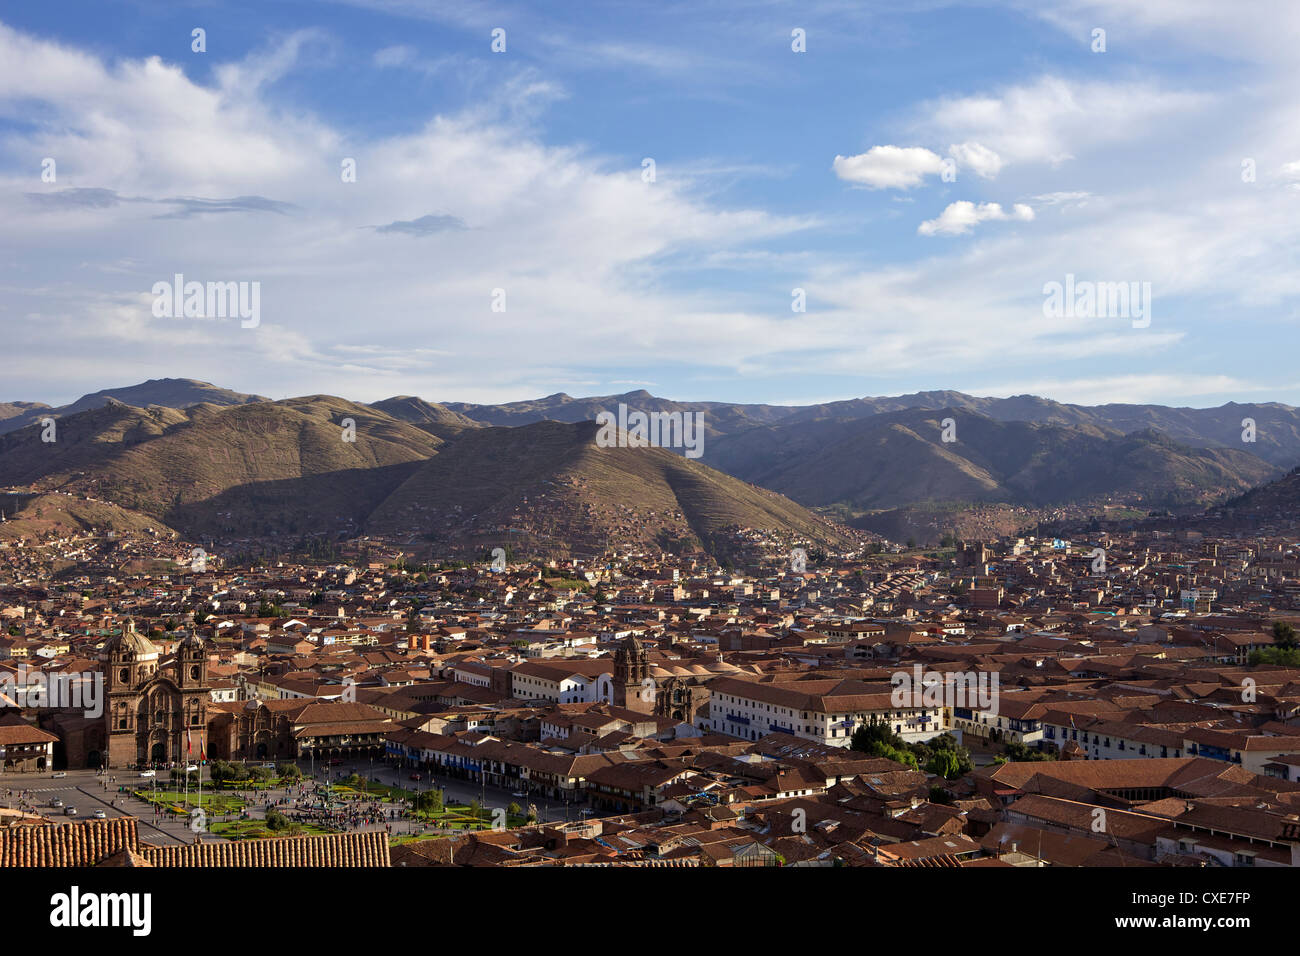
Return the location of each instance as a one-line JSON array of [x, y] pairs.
[[921, 172]]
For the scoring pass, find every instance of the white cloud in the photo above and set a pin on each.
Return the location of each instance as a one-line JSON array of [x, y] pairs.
[[572, 237], [1052, 119], [594, 261], [979, 159], [962, 216], [889, 167], [1077, 197], [1208, 26], [398, 55]]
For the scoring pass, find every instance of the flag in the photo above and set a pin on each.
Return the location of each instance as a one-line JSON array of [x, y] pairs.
[[189, 744], [202, 753]]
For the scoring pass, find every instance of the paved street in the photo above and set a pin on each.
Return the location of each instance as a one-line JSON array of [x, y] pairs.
[[87, 792]]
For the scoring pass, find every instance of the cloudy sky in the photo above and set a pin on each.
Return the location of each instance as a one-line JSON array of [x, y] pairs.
[[647, 185]]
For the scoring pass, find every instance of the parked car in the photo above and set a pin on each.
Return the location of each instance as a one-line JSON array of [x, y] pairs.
[[148, 773], [70, 811], [55, 802], [191, 768], [101, 815], [61, 773]]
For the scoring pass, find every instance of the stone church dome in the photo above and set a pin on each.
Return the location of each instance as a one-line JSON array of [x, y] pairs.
[[132, 642]]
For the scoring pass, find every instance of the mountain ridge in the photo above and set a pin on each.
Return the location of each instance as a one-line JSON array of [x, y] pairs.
[[229, 463], [277, 470]]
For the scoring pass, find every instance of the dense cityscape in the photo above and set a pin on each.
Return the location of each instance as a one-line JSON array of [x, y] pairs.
[[655, 710]]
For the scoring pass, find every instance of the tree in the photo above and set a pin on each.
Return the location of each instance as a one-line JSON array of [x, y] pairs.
[[1284, 635], [944, 763], [1275, 656], [946, 743], [289, 771], [277, 821], [429, 802], [1019, 752], [878, 740], [222, 772], [896, 754], [867, 737], [514, 810]]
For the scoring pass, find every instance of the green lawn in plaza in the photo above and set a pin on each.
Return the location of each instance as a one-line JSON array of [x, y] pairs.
[[458, 816], [455, 817], [258, 830], [177, 801]]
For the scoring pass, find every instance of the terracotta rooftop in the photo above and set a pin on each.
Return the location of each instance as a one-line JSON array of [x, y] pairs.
[[84, 843], [333, 849]]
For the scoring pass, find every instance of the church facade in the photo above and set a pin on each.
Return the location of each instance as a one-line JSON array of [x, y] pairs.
[[153, 715], [676, 690]]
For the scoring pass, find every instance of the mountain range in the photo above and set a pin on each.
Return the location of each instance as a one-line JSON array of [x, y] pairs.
[[1277, 426], [290, 469], [205, 461]]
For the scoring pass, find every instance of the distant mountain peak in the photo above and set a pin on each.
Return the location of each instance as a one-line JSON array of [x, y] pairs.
[[156, 392]]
